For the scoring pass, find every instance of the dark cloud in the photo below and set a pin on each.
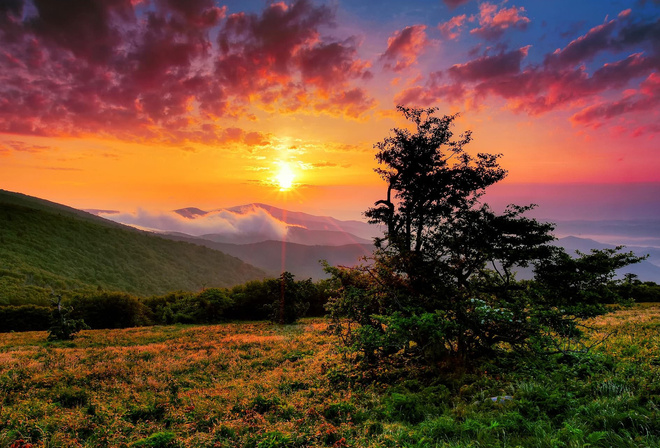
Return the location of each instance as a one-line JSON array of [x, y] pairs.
[[89, 29], [149, 71], [329, 65], [584, 48], [488, 67], [455, 3]]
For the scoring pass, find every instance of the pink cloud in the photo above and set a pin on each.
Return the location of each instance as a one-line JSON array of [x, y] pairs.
[[404, 46], [493, 22], [647, 99], [562, 81], [451, 29]]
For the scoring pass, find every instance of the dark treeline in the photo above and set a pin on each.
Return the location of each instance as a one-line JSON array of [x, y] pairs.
[[280, 299]]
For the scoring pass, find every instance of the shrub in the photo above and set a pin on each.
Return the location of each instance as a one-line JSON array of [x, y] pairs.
[[109, 310], [24, 318], [63, 326]]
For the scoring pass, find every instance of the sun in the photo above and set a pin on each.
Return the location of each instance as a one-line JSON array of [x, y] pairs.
[[285, 177]]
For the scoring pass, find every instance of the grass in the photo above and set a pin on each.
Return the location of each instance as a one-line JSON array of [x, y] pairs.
[[261, 385]]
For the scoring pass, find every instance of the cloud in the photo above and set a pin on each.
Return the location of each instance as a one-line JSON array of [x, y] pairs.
[[404, 46], [494, 22], [328, 65], [584, 48], [562, 81], [455, 3], [225, 222], [150, 72], [350, 103], [648, 98], [487, 67], [19, 146], [451, 29], [86, 28]]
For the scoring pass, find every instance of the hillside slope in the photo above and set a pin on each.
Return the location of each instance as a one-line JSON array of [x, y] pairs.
[[45, 245], [301, 260]]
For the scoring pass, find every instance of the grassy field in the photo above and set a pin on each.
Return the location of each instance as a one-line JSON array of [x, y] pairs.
[[262, 385]]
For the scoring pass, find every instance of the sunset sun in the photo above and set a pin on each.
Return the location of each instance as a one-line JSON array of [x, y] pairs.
[[285, 177]]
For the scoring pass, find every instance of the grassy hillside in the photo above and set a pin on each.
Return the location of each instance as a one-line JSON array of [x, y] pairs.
[[267, 386], [45, 245]]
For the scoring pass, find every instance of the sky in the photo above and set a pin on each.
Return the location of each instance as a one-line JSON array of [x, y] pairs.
[[163, 104]]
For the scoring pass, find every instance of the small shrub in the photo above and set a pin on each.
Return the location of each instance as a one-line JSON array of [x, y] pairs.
[[63, 326], [263, 404], [165, 439], [154, 413], [72, 397]]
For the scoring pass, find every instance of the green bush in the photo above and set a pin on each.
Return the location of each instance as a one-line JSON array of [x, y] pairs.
[[109, 310], [165, 439]]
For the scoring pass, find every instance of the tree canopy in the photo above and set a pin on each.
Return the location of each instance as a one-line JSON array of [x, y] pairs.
[[442, 280]]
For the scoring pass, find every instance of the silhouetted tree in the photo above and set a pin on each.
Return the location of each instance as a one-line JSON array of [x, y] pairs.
[[441, 280]]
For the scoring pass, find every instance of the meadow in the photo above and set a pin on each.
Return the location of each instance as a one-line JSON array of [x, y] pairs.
[[264, 385]]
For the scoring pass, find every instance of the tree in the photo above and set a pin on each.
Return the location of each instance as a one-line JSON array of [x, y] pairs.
[[441, 281], [63, 327], [288, 298]]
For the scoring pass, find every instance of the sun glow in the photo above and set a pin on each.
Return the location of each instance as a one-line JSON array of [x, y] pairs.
[[285, 177]]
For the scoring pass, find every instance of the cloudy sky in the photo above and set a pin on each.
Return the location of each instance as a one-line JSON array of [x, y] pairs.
[[163, 104]]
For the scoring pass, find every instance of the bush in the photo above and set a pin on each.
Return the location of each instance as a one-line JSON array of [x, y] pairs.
[[24, 318], [109, 310], [63, 327]]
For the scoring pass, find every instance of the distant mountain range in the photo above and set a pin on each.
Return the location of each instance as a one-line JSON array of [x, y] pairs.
[[310, 238], [46, 246]]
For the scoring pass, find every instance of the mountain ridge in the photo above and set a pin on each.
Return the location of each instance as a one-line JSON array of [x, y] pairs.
[[47, 246]]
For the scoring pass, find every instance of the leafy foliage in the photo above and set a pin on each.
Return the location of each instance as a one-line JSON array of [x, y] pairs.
[[441, 281], [288, 298], [63, 327]]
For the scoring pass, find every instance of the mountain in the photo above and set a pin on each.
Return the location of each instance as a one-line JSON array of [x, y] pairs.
[[647, 270], [296, 235], [45, 245], [275, 256], [573, 243], [313, 222], [253, 223]]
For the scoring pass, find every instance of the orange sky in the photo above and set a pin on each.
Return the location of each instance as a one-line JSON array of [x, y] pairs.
[[163, 105]]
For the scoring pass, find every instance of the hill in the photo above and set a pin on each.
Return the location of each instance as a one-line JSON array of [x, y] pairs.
[[44, 245], [301, 260]]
